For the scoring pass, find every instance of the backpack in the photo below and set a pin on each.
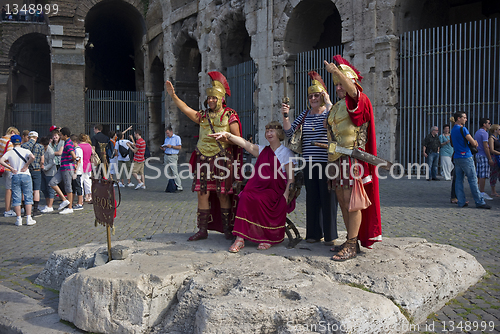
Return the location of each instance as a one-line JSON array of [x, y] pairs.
[[123, 151], [110, 150], [171, 187]]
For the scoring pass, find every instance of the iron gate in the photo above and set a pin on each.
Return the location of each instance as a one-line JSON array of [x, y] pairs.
[[116, 110], [444, 70], [241, 82], [32, 116], [313, 61]]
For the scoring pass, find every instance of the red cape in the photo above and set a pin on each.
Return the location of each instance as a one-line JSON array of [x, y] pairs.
[[371, 223]]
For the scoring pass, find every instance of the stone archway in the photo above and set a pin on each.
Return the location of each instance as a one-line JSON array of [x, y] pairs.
[[114, 55]]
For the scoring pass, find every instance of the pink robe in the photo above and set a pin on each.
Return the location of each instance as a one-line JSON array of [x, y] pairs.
[[262, 209]]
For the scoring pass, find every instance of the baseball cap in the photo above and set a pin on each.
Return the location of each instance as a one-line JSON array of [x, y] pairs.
[[15, 139], [52, 128], [33, 134]]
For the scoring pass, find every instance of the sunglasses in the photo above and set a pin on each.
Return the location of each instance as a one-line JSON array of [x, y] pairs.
[[315, 95]]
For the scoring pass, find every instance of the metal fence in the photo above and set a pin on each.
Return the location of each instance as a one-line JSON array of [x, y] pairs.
[[116, 110], [241, 81], [313, 61], [444, 70], [33, 117]]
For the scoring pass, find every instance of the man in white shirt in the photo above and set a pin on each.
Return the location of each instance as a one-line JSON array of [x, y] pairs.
[[171, 147], [123, 159], [18, 160]]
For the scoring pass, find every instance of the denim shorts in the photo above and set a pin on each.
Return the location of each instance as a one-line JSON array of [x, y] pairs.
[[77, 185], [36, 177], [48, 192], [22, 184]]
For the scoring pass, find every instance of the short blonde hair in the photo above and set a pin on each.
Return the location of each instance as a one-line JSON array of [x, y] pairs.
[[493, 128], [12, 129], [279, 129]]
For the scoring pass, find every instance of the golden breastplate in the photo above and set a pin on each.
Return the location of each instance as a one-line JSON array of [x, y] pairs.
[[206, 145], [345, 133]]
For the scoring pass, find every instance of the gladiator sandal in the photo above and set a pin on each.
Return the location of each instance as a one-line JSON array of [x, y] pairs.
[[227, 224], [338, 248], [203, 216], [348, 252]]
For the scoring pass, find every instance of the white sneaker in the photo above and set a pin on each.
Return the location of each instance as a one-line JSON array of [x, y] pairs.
[[63, 204], [143, 186], [486, 196], [66, 211], [30, 221], [140, 185], [46, 210], [19, 221], [121, 185], [9, 213], [130, 184]]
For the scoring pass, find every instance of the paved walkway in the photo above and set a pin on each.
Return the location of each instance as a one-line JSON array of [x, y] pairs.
[[410, 208]]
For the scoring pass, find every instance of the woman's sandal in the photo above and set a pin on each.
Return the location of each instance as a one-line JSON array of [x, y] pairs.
[[237, 246], [338, 248], [453, 201], [348, 252], [263, 246]]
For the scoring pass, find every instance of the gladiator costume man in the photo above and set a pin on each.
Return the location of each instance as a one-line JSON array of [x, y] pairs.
[[212, 159], [351, 125]]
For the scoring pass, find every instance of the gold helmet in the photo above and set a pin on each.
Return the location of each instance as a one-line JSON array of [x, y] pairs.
[[219, 88], [317, 84], [348, 70]]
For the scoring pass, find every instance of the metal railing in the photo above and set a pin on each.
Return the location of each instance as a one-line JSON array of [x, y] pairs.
[[32, 116], [313, 61], [241, 81], [444, 70], [116, 110]]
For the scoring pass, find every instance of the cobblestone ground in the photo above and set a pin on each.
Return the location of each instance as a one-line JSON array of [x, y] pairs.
[[410, 208]]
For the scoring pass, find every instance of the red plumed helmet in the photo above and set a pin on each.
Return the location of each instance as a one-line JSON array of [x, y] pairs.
[[219, 77], [349, 70], [316, 77]]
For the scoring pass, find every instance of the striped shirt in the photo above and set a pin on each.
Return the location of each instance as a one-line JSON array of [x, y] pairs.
[[66, 158], [4, 141], [140, 144], [312, 131]]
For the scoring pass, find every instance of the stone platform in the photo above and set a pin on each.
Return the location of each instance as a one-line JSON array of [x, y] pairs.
[[168, 285]]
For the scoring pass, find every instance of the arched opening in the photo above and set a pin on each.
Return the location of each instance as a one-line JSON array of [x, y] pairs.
[[313, 24], [30, 69], [113, 54], [186, 86], [235, 43]]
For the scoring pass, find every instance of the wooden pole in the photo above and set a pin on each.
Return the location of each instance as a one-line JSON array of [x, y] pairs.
[[108, 228]]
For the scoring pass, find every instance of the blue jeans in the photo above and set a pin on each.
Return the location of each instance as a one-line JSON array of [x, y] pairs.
[[432, 161], [465, 167], [22, 183]]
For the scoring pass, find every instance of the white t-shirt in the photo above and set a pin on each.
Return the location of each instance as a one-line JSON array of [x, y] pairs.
[[15, 161], [284, 155], [79, 154], [123, 143]]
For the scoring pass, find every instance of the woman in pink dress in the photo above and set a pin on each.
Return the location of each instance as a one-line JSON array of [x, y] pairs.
[[262, 205]]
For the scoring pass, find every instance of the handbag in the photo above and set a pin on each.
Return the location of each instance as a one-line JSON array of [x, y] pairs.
[[94, 158], [359, 198], [473, 149], [295, 141], [2, 168]]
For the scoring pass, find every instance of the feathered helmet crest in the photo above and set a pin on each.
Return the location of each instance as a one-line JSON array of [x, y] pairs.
[[219, 88], [348, 70]]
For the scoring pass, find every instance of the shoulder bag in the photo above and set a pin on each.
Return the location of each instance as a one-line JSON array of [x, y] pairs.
[[295, 141], [2, 168], [473, 149]]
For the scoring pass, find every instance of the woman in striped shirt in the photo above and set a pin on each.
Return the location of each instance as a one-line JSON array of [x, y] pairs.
[[321, 204]]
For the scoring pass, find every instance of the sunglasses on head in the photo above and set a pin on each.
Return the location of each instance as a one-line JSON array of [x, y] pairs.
[[315, 95]]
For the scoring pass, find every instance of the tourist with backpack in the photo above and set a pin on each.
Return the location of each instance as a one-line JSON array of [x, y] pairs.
[[122, 151]]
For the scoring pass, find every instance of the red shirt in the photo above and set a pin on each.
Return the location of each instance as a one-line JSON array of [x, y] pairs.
[[140, 144]]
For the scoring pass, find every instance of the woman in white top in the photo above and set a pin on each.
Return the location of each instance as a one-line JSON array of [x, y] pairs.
[[263, 203]]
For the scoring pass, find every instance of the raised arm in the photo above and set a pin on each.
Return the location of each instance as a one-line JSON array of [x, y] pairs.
[[189, 112], [347, 83], [226, 136]]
